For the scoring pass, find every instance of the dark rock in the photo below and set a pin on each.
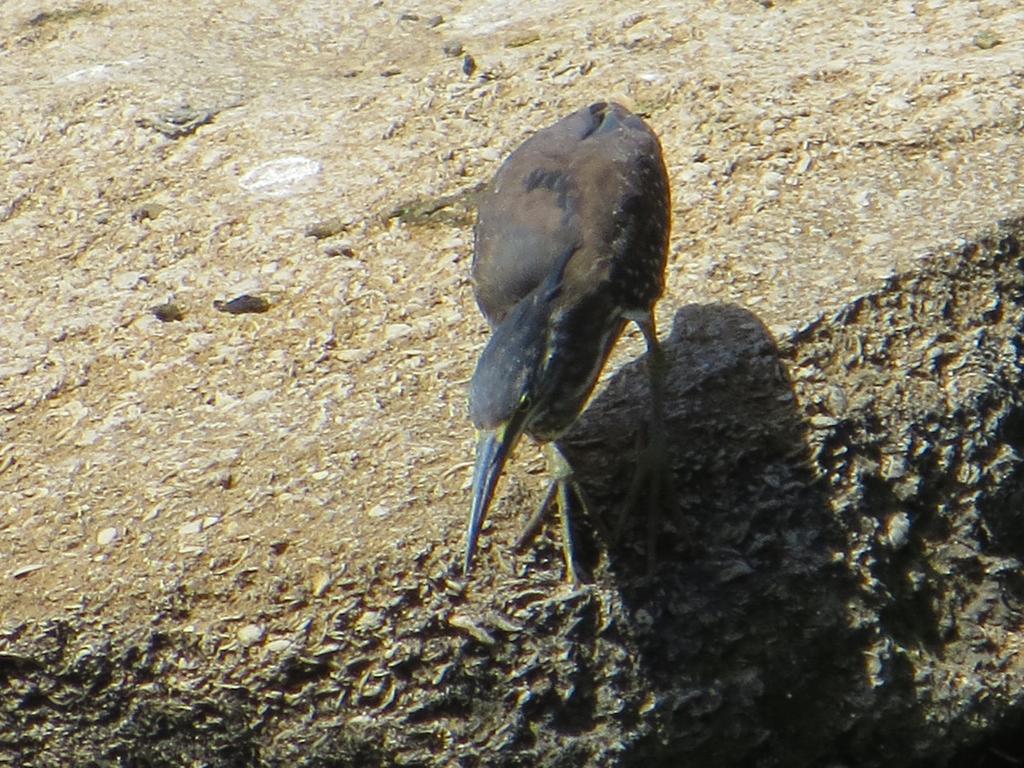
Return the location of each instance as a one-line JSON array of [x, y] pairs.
[[244, 304]]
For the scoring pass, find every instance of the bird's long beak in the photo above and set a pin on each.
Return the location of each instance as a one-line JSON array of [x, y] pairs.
[[492, 450]]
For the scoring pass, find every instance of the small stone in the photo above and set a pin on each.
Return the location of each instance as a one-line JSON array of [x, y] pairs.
[[320, 581], [396, 331], [279, 177], [279, 547], [178, 122], [468, 65], [244, 304], [25, 570], [190, 528], [523, 38], [327, 228], [250, 634], [277, 646], [147, 211], [466, 624], [987, 39], [772, 180], [343, 250], [353, 355], [88, 437], [453, 48], [196, 342], [167, 313], [821, 421], [370, 621], [107, 536], [897, 530]]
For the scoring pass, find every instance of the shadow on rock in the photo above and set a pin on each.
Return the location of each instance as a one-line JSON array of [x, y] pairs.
[[741, 631]]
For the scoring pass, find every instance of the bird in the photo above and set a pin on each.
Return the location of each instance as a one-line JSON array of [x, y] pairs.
[[570, 244]]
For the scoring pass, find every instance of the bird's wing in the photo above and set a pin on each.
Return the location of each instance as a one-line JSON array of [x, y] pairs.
[[623, 193], [572, 188], [527, 221]]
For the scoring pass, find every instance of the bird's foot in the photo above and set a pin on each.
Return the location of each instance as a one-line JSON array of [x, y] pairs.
[[568, 491]]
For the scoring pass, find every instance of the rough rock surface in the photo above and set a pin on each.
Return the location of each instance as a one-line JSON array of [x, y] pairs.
[[226, 537]]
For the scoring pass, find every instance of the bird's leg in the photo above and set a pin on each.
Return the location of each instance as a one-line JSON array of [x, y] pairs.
[[564, 485], [654, 469], [533, 525]]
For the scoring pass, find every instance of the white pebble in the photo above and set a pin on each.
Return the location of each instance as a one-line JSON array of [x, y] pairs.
[[396, 331], [250, 634], [107, 536], [279, 176], [190, 528]]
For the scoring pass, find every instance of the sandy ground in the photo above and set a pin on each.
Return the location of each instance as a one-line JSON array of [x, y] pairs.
[[250, 461]]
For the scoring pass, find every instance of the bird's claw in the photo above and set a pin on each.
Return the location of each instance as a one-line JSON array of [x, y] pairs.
[[564, 486]]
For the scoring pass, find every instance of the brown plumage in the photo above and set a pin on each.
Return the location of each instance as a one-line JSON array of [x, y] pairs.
[[570, 243]]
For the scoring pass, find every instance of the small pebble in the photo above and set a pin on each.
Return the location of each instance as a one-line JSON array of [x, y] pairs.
[[250, 634], [326, 228], [167, 313], [380, 511], [522, 38], [244, 304], [147, 211], [772, 179], [396, 331], [320, 582], [339, 249], [279, 177], [107, 536], [453, 48], [279, 547], [25, 570], [354, 355], [897, 530], [468, 65], [987, 39]]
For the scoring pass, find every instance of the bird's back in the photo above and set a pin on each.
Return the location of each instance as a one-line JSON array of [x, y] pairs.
[[587, 196]]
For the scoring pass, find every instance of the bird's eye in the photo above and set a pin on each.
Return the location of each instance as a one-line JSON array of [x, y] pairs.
[[525, 402]]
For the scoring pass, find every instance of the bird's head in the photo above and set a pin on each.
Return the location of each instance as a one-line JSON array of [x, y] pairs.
[[507, 391]]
